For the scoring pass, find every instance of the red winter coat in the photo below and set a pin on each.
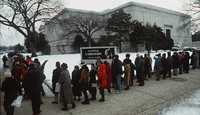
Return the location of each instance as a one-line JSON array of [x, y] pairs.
[[102, 76], [108, 72]]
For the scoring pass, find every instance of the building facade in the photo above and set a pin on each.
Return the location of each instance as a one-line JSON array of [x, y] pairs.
[[170, 21]]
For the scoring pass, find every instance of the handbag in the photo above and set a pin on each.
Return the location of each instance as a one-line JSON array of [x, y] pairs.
[[17, 102], [93, 85], [57, 89]]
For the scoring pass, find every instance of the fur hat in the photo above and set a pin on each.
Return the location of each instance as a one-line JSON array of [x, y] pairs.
[[17, 63], [155, 57], [7, 73], [82, 64]]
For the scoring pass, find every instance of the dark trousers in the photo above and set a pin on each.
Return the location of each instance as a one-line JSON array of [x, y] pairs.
[[109, 90], [101, 91], [9, 109], [114, 82], [35, 100], [93, 92], [164, 73], [4, 65], [43, 93], [149, 73], [169, 71], [140, 78], [84, 89], [180, 70]]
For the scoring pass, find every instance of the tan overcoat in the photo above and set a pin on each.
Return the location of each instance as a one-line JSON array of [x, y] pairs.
[[66, 89]]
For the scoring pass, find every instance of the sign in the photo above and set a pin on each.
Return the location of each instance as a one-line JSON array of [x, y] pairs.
[[90, 54]]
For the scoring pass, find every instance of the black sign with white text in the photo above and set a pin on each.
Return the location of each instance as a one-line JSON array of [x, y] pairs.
[[94, 53]]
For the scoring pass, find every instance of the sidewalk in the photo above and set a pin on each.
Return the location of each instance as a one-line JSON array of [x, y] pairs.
[[147, 100]]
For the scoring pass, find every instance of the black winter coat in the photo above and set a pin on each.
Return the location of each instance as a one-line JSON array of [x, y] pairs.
[[186, 62], [93, 73], [34, 79], [175, 61], [11, 88], [146, 65], [76, 89], [116, 68], [56, 74]]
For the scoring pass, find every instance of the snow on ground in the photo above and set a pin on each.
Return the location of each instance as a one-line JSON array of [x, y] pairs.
[[189, 106]]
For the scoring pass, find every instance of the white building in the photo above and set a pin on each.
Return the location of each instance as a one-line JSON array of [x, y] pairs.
[[168, 20]]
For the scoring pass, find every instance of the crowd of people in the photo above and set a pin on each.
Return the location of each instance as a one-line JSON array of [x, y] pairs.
[[28, 74]]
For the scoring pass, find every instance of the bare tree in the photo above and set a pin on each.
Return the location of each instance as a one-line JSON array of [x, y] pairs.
[[23, 15], [84, 23], [192, 16]]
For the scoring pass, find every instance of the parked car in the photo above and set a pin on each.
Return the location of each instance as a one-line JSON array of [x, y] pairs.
[[176, 48], [190, 49]]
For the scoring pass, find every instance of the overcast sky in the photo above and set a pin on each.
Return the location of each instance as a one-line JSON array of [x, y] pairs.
[[11, 37]]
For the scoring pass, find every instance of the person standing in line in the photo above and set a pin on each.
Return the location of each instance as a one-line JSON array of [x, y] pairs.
[[175, 63], [84, 81], [108, 73], [169, 64], [102, 80], [55, 78], [196, 60], [183, 55], [40, 68], [34, 79], [180, 62], [157, 67], [146, 66], [76, 89], [127, 70], [192, 59], [92, 85], [11, 88], [137, 59], [186, 62], [65, 89], [23, 70], [150, 66], [117, 72], [164, 65], [141, 71], [4, 59], [98, 62]]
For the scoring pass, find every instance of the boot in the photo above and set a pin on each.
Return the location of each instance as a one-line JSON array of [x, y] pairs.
[[93, 97], [79, 98], [65, 107], [127, 88], [85, 102], [73, 105], [102, 99]]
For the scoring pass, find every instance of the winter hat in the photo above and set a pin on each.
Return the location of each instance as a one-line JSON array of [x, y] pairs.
[[7, 73], [64, 66], [155, 57], [82, 64], [17, 63], [98, 57], [76, 67]]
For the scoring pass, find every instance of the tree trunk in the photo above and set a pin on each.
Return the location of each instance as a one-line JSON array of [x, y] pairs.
[[33, 49], [89, 42], [120, 47]]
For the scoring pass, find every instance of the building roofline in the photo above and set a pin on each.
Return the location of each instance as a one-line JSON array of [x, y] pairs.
[[146, 6], [109, 11]]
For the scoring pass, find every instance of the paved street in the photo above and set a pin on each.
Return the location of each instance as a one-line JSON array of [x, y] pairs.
[[147, 100]]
